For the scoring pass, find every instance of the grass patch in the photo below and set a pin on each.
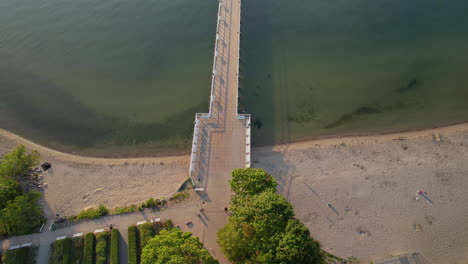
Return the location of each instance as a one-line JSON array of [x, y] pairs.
[[179, 196], [25, 255], [149, 203], [147, 232], [133, 253], [125, 209], [88, 251], [102, 247], [114, 247], [187, 185], [92, 213], [77, 250]]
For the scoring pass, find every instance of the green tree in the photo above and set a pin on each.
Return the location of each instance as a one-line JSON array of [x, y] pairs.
[[233, 244], [9, 190], [261, 227], [296, 246], [17, 162], [175, 247], [249, 181], [21, 215], [260, 220]]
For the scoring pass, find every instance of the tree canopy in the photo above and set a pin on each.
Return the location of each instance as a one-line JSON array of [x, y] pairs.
[[175, 247], [248, 181], [17, 162], [262, 227], [19, 213]]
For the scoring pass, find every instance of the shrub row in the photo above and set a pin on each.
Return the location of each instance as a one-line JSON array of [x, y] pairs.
[[88, 251], [77, 250], [133, 253], [147, 231], [61, 252], [114, 247], [25, 255], [102, 241]]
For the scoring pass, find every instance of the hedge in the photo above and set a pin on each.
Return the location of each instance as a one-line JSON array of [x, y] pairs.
[[77, 250], [61, 251], [114, 247], [146, 233], [133, 245], [88, 252], [102, 247], [25, 255]]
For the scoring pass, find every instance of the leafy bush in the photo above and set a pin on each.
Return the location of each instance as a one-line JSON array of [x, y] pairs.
[[88, 252], [17, 162], [146, 233], [9, 190], [92, 213], [21, 215], [102, 247], [262, 228], [168, 225], [149, 203], [175, 246], [179, 196], [25, 255], [132, 245], [125, 209], [248, 181], [77, 250], [114, 247]]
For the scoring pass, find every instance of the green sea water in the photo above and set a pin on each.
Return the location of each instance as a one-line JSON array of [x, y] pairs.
[[125, 78], [106, 77], [322, 68]]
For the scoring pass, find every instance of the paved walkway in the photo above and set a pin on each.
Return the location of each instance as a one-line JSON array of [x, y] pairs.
[[221, 143]]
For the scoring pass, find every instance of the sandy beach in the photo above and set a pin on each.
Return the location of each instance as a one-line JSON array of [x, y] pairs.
[[370, 182], [76, 182]]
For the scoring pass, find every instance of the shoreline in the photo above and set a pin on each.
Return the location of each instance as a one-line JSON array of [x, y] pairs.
[[52, 153]]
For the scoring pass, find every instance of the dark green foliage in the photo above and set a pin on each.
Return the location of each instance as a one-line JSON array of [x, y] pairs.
[[168, 225], [175, 247], [17, 162], [21, 215], [88, 252], [296, 245], [25, 255], [149, 203], [133, 245], [146, 233], [261, 227], [92, 213], [9, 190], [250, 181], [102, 248], [77, 250], [60, 252], [114, 247]]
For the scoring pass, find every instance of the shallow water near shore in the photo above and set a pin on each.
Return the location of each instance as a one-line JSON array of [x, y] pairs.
[[353, 68], [125, 78]]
